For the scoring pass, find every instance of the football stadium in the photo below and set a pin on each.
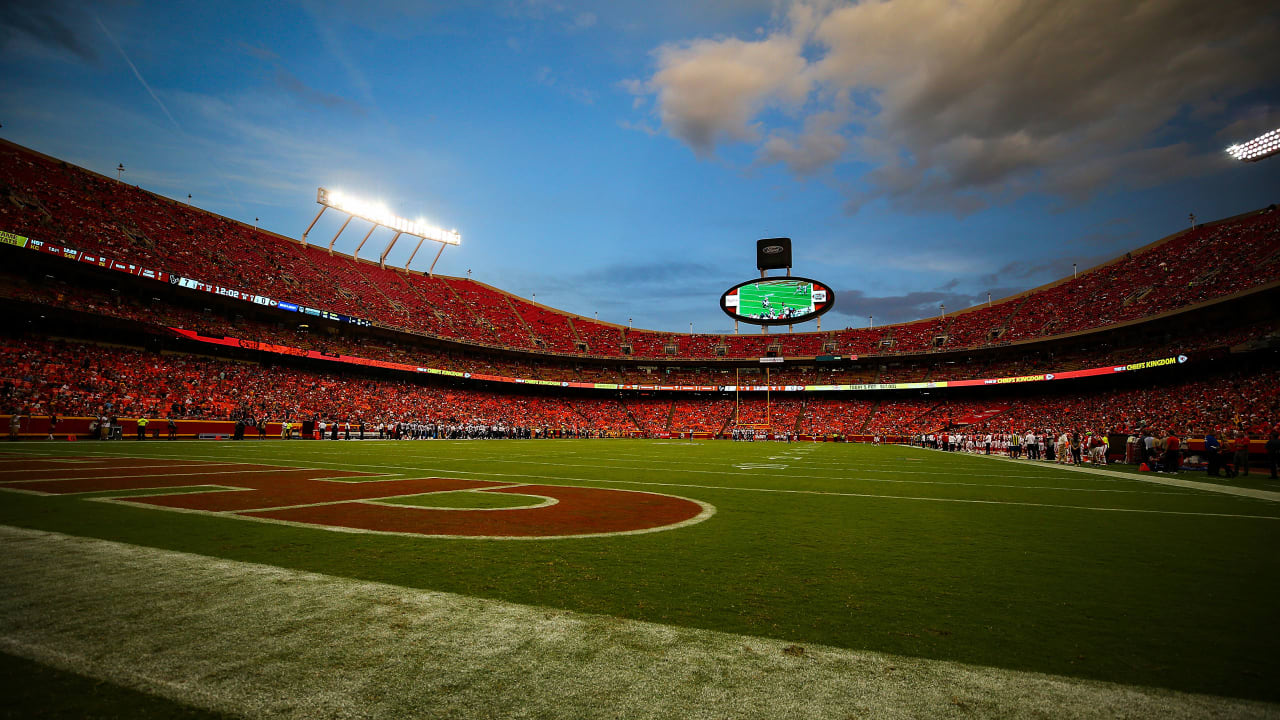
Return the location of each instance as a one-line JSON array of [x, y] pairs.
[[263, 471]]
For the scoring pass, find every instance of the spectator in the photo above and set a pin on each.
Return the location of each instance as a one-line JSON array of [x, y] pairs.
[[1212, 459], [1273, 453], [1240, 446], [1172, 453]]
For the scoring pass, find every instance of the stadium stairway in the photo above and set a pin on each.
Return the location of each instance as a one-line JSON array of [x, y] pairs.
[[866, 422], [631, 416], [724, 426], [528, 329], [573, 330]]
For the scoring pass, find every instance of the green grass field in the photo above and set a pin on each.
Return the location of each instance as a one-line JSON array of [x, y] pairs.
[[915, 554]]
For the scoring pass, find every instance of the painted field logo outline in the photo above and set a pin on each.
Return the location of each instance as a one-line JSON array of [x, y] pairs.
[[329, 499]]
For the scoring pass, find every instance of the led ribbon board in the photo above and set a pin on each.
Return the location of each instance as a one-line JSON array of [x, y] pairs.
[[777, 301], [103, 261], [355, 360]]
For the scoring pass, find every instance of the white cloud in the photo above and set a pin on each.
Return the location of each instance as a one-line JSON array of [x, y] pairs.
[[962, 103], [711, 90], [818, 146]]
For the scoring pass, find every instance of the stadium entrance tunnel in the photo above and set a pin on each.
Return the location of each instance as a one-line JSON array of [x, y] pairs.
[[329, 499]]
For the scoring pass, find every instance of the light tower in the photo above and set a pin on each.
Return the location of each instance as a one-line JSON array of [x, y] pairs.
[[1259, 148], [380, 216]]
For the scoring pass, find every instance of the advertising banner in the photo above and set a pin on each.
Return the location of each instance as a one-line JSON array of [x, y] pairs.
[[11, 239], [180, 281], [354, 360]]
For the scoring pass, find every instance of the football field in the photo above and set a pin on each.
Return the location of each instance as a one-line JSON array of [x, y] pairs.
[[626, 578]]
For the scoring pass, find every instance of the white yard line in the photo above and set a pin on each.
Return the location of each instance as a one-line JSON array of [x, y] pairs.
[[266, 642]]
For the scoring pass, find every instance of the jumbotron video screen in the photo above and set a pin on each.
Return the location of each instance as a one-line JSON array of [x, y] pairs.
[[777, 300]]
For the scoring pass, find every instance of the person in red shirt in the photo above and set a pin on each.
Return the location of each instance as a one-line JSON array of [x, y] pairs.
[[1241, 447], [1172, 453]]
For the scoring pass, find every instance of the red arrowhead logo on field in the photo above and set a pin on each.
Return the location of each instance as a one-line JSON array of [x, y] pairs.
[[323, 499]]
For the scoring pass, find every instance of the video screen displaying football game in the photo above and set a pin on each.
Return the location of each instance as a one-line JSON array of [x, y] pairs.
[[779, 299]]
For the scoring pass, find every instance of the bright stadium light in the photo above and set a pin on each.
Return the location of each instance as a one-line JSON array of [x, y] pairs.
[[1263, 146], [378, 213], [380, 216]]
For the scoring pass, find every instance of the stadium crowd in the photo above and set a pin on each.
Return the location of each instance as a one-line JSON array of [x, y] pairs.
[[408, 349], [49, 200], [44, 376]]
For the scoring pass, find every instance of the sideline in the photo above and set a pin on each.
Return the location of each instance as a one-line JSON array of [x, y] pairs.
[[295, 644], [1152, 477]]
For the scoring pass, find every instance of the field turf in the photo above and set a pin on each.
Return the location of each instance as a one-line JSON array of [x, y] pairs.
[[1011, 565]]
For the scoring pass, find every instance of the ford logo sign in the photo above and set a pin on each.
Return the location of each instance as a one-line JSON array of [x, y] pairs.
[[772, 249]]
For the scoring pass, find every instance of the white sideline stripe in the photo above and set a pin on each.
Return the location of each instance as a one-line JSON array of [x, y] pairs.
[[562, 479], [266, 642], [1156, 479], [683, 464], [649, 462]]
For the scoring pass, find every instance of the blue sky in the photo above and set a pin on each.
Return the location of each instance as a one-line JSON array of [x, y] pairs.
[[623, 157]]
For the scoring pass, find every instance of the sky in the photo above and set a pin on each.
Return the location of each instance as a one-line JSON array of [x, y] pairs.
[[622, 158]]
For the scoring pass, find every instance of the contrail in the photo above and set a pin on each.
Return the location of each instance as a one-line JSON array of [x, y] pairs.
[[159, 102], [137, 74]]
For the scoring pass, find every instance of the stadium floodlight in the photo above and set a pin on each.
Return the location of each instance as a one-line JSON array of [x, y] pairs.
[[378, 213], [380, 216], [1263, 146]]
